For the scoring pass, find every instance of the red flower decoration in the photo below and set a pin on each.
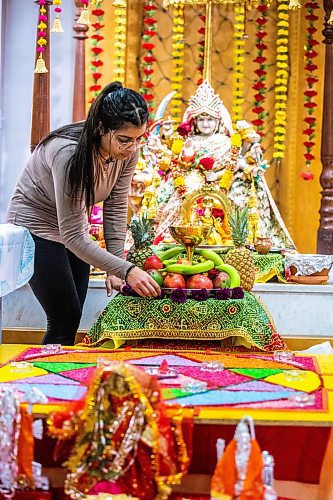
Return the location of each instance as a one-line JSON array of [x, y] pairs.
[[149, 59], [218, 213], [258, 122], [98, 12], [307, 176], [310, 120], [149, 21], [97, 50], [97, 37], [148, 46], [309, 157], [97, 76], [95, 88], [258, 110], [260, 72], [97, 26], [148, 97], [309, 144], [185, 128], [207, 163], [97, 63]]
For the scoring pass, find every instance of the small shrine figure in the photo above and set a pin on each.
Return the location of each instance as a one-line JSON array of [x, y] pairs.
[[239, 470]]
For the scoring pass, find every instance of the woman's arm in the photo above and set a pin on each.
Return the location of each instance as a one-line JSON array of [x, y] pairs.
[[115, 209], [73, 221]]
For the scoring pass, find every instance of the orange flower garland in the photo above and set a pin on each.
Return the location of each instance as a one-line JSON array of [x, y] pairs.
[[281, 80], [238, 93], [148, 57], [120, 40], [96, 50], [261, 60], [310, 94], [177, 61]]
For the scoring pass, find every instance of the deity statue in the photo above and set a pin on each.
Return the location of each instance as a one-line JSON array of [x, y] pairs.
[[207, 152]]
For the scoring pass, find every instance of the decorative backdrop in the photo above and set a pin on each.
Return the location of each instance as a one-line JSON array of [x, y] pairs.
[[280, 92]]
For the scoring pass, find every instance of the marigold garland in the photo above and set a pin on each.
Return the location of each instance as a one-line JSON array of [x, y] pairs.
[[96, 50], [310, 94], [41, 40], [239, 53], [260, 86], [177, 61], [120, 40], [201, 49], [56, 25], [148, 57], [281, 80]]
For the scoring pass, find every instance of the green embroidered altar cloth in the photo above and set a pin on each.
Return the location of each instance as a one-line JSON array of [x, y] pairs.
[[129, 318], [268, 266]]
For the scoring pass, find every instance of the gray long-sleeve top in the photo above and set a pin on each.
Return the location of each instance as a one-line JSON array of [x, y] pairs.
[[41, 203]]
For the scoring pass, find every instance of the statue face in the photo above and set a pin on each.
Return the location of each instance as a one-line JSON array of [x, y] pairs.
[[206, 124]]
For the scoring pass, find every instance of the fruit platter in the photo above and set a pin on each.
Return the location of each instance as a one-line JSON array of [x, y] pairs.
[[201, 268]]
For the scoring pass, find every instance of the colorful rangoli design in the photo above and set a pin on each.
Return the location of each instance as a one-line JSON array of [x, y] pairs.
[[253, 381]]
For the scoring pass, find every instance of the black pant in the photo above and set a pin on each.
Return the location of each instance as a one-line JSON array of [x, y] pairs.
[[60, 284]]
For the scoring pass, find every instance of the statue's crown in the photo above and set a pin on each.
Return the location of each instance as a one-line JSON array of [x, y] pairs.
[[206, 101]]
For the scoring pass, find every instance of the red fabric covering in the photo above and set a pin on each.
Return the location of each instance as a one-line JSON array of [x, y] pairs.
[[298, 451]]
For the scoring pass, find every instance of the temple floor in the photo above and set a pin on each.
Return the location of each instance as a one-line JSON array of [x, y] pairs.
[[300, 440]]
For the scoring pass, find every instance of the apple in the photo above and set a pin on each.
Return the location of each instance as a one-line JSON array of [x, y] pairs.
[[184, 261], [153, 262], [174, 280], [156, 275], [198, 281], [222, 280]]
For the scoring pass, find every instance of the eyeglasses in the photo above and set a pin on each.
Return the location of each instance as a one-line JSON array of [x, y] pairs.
[[138, 143]]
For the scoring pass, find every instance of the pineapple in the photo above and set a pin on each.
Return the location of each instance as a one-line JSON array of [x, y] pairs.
[[143, 235], [240, 257]]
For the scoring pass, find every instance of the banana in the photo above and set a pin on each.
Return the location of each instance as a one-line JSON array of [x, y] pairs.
[[233, 273], [188, 269], [167, 262], [170, 253], [210, 255]]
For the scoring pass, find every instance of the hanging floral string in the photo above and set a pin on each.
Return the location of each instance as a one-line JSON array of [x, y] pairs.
[[84, 16], [310, 93], [281, 80], [41, 38], [177, 61], [239, 41], [56, 25], [148, 56], [96, 49], [201, 48], [120, 40], [260, 86]]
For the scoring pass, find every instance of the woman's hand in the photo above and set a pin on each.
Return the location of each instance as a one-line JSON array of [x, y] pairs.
[[112, 283], [142, 283]]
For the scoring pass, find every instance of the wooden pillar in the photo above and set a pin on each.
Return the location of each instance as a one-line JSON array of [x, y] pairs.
[[80, 34], [325, 232], [40, 120]]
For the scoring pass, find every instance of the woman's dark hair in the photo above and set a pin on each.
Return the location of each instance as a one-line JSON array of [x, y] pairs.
[[114, 107]]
